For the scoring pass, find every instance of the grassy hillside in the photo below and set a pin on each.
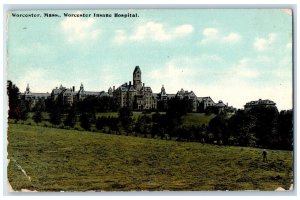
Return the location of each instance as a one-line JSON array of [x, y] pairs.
[[68, 160]]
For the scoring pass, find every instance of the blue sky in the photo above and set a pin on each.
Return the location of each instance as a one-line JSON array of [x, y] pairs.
[[231, 55]]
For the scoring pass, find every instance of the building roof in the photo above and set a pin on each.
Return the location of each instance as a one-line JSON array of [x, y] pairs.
[[90, 93], [220, 104], [136, 69], [171, 95], [56, 91], [67, 91], [103, 94], [260, 102], [40, 94], [201, 99], [131, 88]]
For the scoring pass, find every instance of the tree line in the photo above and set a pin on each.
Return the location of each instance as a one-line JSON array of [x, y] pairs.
[[263, 127]]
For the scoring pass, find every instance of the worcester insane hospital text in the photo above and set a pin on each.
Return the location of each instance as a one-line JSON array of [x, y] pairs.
[[104, 15]]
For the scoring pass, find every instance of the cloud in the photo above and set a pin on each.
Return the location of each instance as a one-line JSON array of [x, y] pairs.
[[174, 74], [243, 70], [38, 80], [235, 82], [213, 35], [120, 36], [232, 38], [185, 72], [153, 31], [79, 29], [263, 44], [210, 32]]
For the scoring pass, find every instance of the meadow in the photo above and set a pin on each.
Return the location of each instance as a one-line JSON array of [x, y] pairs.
[[70, 160]]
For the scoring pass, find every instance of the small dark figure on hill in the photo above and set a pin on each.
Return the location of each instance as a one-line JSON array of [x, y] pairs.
[[264, 153]]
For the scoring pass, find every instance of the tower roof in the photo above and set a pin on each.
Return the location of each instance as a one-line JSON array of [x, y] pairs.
[[137, 69]]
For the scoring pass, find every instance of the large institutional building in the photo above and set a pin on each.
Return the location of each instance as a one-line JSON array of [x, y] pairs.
[[133, 94], [260, 103]]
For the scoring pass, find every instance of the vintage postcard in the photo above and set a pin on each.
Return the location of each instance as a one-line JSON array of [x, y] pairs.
[[150, 100]]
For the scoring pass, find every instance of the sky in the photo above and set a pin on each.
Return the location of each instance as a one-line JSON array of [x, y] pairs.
[[233, 55]]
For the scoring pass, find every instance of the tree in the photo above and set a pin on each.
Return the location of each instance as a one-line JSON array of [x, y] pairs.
[[241, 129], [218, 127], [285, 129], [143, 125], [106, 104], [125, 117], [71, 117], [86, 120], [55, 114], [100, 123], [177, 108], [23, 110], [159, 125], [37, 117], [266, 126], [13, 93]]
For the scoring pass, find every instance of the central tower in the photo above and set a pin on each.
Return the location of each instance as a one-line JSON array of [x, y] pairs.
[[137, 78]]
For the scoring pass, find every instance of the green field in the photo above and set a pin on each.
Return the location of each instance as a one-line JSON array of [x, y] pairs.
[[69, 160]]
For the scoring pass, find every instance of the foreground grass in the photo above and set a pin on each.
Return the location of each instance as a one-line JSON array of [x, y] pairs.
[[68, 160]]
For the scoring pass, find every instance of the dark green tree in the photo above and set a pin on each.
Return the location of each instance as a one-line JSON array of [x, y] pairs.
[[37, 117], [266, 126], [125, 117], [14, 100], [218, 127], [177, 108], [241, 129], [86, 120], [23, 110], [71, 117], [143, 125], [100, 123], [55, 115], [285, 129]]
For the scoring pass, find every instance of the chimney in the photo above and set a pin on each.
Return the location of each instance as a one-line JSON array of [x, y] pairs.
[[129, 83], [73, 88], [113, 88], [143, 84]]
